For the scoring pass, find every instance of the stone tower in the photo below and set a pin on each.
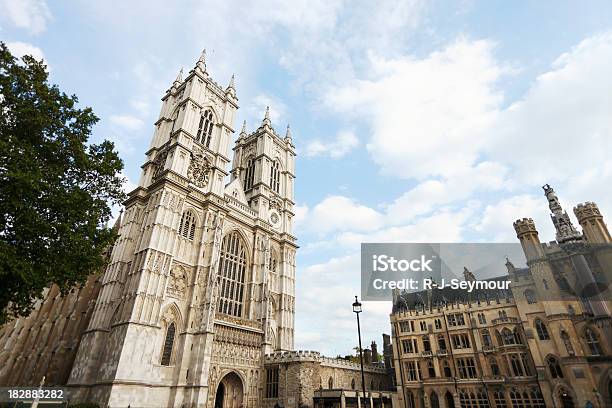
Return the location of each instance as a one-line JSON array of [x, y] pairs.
[[201, 279]]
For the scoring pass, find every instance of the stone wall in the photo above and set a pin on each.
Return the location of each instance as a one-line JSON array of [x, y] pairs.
[[303, 372]]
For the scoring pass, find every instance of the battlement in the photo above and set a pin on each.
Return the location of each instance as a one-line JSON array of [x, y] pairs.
[[524, 226], [314, 356], [586, 210]]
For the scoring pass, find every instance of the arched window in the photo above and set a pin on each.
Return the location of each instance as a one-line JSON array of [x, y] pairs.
[[486, 338], [272, 277], [371, 384], [232, 270], [515, 363], [330, 383], [508, 336], [494, 366], [517, 336], [205, 128], [530, 296], [441, 342], [553, 367], [188, 225], [592, 341], [433, 398], [542, 330], [249, 174], [500, 399], [447, 370], [168, 345], [275, 176], [353, 384]]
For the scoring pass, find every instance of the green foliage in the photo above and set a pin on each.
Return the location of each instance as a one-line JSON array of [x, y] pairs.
[[55, 189]]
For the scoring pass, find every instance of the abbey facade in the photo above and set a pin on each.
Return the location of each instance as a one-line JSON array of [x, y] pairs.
[[200, 284]]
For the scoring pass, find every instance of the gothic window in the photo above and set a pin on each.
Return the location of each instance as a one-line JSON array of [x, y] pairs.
[[275, 176], [515, 364], [553, 367], [272, 382], [426, 344], [412, 371], [430, 369], [272, 263], [371, 384], [438, 324], [481, 318], [517, 336], [441, 342], [205, 128], [542, 330], [500, 399], [508, 337], [168, 345], [568, 343], [537, 399], [330, 383], [530, 296], [188, 225], [232, 270], [249, 174], [494, 366], [592, 341], [353, 384], [446, 369], [486, 338], [433, 398], [466, 367]]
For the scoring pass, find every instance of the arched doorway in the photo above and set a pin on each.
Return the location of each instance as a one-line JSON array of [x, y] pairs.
[[450, 401], [229, 392], [434, 400], [566, 399]]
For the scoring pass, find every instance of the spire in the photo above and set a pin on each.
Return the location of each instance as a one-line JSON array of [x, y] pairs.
[[118, 222], [266, 120], [231, 87], [179, 78], [243, 131], [562, 222], [201, 64], [288, 134]]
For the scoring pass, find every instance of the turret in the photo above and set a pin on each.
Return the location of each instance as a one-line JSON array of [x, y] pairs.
[[527, 233], [593, 226]]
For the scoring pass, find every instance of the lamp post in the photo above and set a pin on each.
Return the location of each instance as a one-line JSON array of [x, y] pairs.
[[357, 310]]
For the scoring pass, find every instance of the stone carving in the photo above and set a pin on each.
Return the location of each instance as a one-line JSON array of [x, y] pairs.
[[177, 283], [159, 162], [199, 168]]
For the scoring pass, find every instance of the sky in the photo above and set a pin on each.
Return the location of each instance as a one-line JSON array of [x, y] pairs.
[[414, 121]]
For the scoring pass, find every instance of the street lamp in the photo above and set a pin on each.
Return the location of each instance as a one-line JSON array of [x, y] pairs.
[[357, 310]]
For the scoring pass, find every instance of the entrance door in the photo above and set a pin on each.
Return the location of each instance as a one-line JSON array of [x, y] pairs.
[[229, 392]]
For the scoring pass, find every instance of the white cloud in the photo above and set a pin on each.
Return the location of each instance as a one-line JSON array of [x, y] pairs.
[[343, 143], [339, 213], [126, 121], [257, 109], [427, 116], [497, 218], [19, 49], [32, 15]]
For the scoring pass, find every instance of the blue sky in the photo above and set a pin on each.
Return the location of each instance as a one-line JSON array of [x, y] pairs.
[[414, 121]]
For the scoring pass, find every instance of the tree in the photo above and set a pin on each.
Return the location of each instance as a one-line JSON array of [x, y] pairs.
[[55, 189]]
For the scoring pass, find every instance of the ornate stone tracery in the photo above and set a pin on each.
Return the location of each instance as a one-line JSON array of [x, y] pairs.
[[199, 168]]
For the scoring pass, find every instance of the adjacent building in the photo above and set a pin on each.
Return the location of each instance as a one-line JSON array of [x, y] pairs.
[[543, 343]]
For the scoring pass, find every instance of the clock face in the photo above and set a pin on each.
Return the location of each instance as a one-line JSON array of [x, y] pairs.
[[274, 218]]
